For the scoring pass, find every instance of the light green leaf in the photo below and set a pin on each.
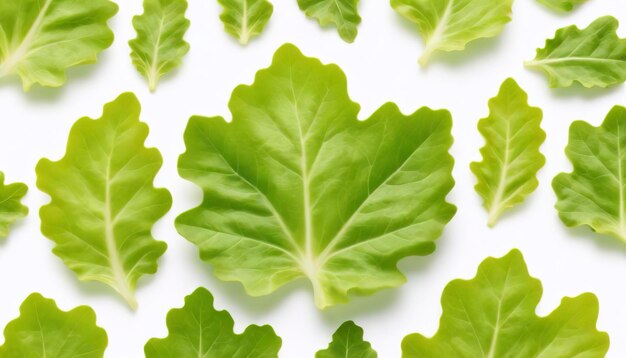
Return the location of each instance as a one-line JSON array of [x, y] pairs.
[[40, 39], [449, 25], [198, 330], [296, 187], [348, 343], [11, 208], [159, 46], [245, 19], [593, 57], [493, 315], [562, 5], [103, 203], [343, 14], [43, 330], [511, 158], [594, 193]]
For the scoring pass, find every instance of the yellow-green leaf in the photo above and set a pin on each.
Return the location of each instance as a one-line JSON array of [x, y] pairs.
[[245, 19], [41, 39], [343, 14], [449, 25], [199, 330], [348, 343], [43, 330], [562, 5], [11, 208], [160, 45], [297, 187], [493, 315], [593, 194], [511, 158], [593, 57], [103, 202]]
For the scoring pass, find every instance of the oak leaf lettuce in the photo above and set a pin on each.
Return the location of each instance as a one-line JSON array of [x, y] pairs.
[[103, 202], [296, 187], [493, 315]]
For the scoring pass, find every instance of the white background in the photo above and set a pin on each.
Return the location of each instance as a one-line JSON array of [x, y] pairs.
[[381, 66]]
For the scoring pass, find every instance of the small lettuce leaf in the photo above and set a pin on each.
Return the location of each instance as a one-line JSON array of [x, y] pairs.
[[593, 194], [493, 315], [43, 330], [343, 14], [562, 5], [593, 57], [348, 343], [40, 39], [449, 25], [511, 158], [297, 187], [160, 45], [245, 19], [103, 203], [198, 330], [11, 208]]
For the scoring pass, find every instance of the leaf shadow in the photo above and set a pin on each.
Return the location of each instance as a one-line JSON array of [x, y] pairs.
[[234, 292], [577, 90], [474, 51], [14, 229], [75, 76], [602, 241], [93, 289]]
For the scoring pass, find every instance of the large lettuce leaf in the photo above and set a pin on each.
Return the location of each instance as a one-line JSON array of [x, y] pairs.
[[295, 186], [593, 57], [594, 193], [43, 330], [199, 330], [493, 315], [11, 208], [245, 19], [449, 25], [103, 203], [160, 45], [40, 39], [511, 158]]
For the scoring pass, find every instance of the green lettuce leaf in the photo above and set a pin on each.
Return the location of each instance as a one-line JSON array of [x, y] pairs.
[[493, 315], [449, 25], [11, 208], [348, 343], [343, 14], [198, 330], [245, 19], [160, 45], [511, 158], [593, 194], [593, 57], [103, 203], [40, 39], [43, 330], [296, 187], [562, 5]]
